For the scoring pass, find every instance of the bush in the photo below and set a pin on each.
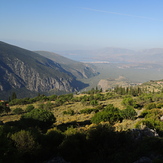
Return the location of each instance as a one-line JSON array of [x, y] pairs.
[[94, 102], [154, 113], [4, 108], [73, 148], [48, 106], [88, 111], [70, 112], [105, 116], [129, 113], [159, 105], [38, 117], [150, 106], [143, 113], [52, 97], [24, 142], [29, 108], [128, 101], [18, 111]]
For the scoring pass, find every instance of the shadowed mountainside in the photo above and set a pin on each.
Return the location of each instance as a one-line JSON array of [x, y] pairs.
[[77, 69], [26, 71]]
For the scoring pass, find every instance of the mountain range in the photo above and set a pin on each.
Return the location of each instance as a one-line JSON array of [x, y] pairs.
[[118, 55], [28, 73]]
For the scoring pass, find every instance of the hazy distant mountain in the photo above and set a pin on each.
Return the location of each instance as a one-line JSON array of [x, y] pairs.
[[25, 70], [105, 54], [77, 69], [118, 55]]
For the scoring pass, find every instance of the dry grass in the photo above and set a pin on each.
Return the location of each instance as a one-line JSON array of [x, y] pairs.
[[65, 118], [62, 118], [9, 117]]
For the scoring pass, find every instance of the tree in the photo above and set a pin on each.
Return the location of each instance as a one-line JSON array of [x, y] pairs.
[[14, 96]]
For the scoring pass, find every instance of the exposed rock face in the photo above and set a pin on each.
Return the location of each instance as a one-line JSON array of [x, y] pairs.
[[20, 68], [20, 75]]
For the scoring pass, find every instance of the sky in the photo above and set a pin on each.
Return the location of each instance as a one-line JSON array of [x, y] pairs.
[[57, 25]]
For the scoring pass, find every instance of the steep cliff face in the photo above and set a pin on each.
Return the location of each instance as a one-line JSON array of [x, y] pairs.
[[18, 75], [20, 68]]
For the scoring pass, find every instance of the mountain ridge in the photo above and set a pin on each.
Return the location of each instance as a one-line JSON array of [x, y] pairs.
[[119, 55], [29, 71], [77, 69]]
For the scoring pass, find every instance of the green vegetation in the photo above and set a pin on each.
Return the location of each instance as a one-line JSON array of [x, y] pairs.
[[18, 111], [94, 127], [38, 117]]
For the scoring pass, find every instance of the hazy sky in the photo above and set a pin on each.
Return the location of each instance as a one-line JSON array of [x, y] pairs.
[[80, 24]]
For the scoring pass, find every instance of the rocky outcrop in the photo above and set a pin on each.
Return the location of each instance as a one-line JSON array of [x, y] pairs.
[[18, 74]]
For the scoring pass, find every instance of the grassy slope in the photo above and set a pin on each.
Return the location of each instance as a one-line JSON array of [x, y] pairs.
[[69, 120], [77, 106]]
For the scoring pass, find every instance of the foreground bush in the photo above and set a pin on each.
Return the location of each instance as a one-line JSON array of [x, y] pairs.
[[24, 142], [39, 117]]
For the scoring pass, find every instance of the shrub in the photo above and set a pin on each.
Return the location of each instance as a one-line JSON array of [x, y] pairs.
[[154, 113], [87, 111], [29, 108], [94, 102], [38, 117], [4, 109], [52, 97], [24, 142], [70, 112], [129, 113], [73, 148], [159, 105], [105, 116], [18, 111], [48, 106], [99, 107], [59, 102], [143, 113], [128, 101], [150, 106]]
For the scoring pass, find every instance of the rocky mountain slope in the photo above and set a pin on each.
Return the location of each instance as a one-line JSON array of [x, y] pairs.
[[77, 69], [25, 70]]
